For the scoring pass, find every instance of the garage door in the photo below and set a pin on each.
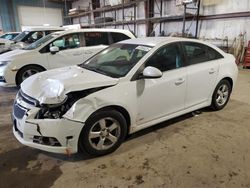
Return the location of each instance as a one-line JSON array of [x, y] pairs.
[[1, 27], [37, 16]]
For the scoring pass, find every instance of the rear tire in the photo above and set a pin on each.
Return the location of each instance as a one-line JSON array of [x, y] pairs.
[[103, 132], [26, 72], [221, 95]]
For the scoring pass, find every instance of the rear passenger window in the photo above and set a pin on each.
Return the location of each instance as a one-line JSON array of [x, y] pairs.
[[198, 53], [67, 42], [96, 38], [50, 31], [117, 37]]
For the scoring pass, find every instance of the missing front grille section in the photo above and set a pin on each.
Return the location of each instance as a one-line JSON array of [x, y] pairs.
[[19, 112], [2, 79]]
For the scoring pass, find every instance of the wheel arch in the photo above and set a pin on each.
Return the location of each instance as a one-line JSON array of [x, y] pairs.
[[230, 80], [44, 69]]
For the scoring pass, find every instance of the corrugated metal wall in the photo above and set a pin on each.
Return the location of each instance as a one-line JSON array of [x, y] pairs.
[[217, 28]]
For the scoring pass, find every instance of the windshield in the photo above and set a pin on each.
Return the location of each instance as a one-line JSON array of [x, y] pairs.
[[9, 36], [116, 60], [40, 42], [19, 37]]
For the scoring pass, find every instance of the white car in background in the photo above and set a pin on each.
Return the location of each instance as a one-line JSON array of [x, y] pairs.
[[6, 40], [127, 87], [33, 34], [27, 37], [9, 35], [5, 45], [56, 50]]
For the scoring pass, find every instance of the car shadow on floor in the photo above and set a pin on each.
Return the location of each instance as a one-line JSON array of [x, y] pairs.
[[17, 166], [84, 156], [9, 89]]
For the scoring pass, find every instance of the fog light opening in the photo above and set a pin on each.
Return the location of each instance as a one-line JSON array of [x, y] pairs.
[[49, 141]]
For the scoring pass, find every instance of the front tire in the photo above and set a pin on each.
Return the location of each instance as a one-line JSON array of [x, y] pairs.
[[26, 72], [221, 95], [103, 132]]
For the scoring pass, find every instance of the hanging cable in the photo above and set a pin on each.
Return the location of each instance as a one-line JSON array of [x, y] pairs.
[[44, 12]]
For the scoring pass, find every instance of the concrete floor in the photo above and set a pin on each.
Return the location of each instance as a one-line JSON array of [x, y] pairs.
[[208, 150]]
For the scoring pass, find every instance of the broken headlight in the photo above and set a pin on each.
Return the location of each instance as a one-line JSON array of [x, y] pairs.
[[56, 111]]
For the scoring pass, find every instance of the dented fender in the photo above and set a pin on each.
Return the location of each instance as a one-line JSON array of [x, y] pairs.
[[84, 107]]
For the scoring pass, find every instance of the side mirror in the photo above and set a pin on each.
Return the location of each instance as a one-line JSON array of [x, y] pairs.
[[54, 49], [151, 73]]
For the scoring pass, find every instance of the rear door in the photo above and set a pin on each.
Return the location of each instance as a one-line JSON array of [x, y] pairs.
[[94, 43], [117, 37], [202, 70]]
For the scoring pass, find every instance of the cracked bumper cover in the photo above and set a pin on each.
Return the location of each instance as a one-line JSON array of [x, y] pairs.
[[26, 128]]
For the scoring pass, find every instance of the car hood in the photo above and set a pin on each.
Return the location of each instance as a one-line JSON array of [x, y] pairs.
[[13, 54], [5, 41], [51, 87]]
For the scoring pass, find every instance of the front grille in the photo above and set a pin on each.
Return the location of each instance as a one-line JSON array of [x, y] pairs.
[[19, 111], [2, 79], [22, 96]]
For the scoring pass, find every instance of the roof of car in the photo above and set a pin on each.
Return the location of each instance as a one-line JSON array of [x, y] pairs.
[[153, 41], [43, 28], [11, 33], [93, 30]]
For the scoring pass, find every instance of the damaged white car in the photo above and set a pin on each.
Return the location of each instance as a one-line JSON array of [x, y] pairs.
[[127, 87]]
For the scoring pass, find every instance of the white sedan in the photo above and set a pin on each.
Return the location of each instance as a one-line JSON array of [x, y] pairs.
[[127, 87]]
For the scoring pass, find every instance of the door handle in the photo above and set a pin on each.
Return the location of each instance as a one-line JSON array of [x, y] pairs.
[[211, 71], [179, 81], [88, 52], [75, 54]]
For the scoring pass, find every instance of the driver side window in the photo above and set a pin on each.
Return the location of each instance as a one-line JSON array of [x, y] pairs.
[[67, 42], [166, 58]]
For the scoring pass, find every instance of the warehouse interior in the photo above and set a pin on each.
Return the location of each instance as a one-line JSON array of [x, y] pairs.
[[202, 148]]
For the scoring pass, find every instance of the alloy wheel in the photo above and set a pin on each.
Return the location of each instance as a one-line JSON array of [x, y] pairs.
[[222, 95], [29, 73], [104, 133]]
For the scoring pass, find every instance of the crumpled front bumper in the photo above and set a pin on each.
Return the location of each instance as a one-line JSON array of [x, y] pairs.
[[7, 76], [27, 130]]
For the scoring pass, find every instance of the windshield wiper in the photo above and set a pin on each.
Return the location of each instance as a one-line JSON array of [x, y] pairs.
[[94, 69]]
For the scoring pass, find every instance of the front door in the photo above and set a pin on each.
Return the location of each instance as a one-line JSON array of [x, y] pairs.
[[70, 51], [166, 95]]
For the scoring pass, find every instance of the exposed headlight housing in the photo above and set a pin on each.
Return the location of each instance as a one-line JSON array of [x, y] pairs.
[[52, 111], [3, 63], [56, 111]]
